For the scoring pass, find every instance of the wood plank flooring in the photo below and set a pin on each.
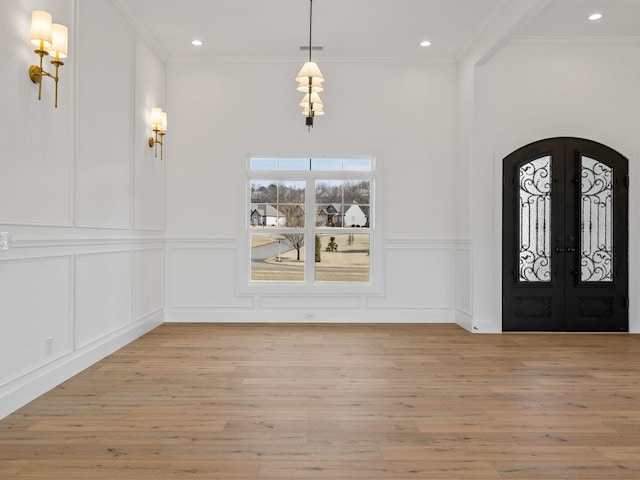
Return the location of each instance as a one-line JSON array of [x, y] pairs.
[[237, 401]]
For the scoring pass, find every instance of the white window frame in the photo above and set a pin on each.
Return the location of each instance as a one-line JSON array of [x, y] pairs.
[[309, 285]]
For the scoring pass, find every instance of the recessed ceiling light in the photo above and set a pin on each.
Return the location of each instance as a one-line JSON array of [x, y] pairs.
[[426, 43], [197, 43], [595, 16]]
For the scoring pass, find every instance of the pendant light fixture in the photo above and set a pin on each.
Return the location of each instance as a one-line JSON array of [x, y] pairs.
[[310, 81]]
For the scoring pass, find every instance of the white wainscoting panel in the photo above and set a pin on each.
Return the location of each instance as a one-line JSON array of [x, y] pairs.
[[418, 285], [103, 295], [203, 277], [35, 313], [308, 302], [417, 276], [148, 282]]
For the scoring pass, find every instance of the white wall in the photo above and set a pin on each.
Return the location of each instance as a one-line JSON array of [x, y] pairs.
[[535, 90], [402, 113], [81, 197]]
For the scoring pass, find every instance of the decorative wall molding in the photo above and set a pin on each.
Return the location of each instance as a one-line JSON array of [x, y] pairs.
[[212, 242], [66, 262], [38, 258], [39, 241], [27, 223], [98, 315], [419, 243], [286, 303]]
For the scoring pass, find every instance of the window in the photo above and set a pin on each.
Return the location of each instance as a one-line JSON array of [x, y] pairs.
[[310, 221]]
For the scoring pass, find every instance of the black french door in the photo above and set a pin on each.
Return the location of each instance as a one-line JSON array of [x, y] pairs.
[[565, 238]]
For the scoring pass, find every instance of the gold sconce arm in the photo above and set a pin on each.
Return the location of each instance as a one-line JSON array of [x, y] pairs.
[[154, 142], [37, 72]]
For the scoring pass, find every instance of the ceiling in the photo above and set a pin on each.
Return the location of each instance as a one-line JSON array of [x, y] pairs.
[[568, 18], [362, 28]]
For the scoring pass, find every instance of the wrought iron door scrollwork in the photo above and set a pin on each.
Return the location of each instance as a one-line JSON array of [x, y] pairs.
[[535, 221], [596, 225]]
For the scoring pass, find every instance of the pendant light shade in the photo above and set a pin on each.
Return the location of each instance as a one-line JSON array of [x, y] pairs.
[[316, 86], [310, 70], [314, 99]]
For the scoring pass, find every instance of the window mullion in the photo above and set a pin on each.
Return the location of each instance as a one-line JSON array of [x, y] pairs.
[[309, 251]]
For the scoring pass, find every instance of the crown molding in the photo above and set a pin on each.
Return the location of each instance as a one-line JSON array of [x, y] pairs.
[[138, 25], [297, 60], [499, 30], [578, 39]]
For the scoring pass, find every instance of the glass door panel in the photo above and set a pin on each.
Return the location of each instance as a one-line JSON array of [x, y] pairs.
[[596, 226], [535, 220]]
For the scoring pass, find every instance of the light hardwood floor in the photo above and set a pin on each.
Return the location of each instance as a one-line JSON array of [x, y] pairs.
[[339, 401]]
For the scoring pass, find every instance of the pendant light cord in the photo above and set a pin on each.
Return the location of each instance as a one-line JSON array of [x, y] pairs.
[[310, 107], [310, 23]]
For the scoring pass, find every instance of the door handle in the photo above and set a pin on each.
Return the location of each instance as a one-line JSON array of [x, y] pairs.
[[571, 250], [560, 250]]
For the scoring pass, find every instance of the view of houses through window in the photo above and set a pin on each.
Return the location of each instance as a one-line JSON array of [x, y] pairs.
[[310, 220]]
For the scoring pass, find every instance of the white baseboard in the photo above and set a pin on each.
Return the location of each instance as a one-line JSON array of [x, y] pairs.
[[310, 316], [464, 320], [23, 390]]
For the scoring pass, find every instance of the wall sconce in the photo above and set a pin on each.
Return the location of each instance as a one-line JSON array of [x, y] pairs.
[[51, 39], [159, 126]]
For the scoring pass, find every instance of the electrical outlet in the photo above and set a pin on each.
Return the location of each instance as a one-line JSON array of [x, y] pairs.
[[309, 317], [48, 345]]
